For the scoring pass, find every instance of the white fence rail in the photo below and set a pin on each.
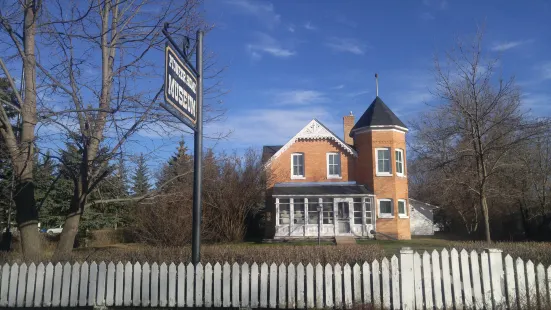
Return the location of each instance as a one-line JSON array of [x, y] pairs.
[[447, 280]]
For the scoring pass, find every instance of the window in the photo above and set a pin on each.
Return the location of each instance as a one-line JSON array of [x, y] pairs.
[[383, 161], [298, 207], [385, 208], [284, 215], [333, 165], [357, 209], [327, 214], [297, 165], [402, 208], [368, 211], [399, 162], [313, 204]]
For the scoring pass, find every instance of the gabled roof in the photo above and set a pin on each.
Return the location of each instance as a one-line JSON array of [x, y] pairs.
[[378, 115], [314, 131]]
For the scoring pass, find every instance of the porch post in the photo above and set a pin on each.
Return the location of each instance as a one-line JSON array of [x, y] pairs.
[[276, 215], [364, 222], [335, 210], [291, 215], [305, 214]]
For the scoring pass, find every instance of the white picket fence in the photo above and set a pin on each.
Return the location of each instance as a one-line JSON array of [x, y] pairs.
[[413, 281]]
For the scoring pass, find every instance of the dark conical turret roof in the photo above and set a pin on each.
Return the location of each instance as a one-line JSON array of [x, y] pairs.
[[378, 114]]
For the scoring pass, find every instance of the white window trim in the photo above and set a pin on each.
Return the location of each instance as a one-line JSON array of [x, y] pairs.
[[298, 177], [403, 215], [403, 162], [383, 174], [333, 176], [385, 215]]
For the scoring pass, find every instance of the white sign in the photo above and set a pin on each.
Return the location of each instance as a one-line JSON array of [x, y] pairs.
[[180, 85]]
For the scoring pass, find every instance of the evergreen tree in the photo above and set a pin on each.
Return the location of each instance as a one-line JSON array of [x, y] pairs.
[[140, 184]]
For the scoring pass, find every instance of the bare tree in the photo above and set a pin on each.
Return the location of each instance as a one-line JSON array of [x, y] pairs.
[[472, 134], [21, 145]]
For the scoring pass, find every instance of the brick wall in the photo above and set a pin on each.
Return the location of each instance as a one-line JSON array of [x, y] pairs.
[[315, 163], [348, 124]]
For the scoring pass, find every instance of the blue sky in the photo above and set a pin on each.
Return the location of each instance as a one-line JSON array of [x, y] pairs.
[[291, 61]]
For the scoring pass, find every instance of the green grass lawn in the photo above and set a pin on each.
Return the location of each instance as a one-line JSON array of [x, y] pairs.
[[392, 247]]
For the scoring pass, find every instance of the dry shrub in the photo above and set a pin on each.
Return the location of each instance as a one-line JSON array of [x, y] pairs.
[[104, 237]]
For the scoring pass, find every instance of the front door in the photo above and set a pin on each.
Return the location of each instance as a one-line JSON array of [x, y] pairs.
[[343, 217]]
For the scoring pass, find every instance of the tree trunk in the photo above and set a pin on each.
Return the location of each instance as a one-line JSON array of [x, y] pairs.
[[27, 220], [484, 204], [70, 230]]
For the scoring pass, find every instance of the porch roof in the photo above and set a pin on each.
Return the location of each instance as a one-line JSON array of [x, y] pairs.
[[333, 189]]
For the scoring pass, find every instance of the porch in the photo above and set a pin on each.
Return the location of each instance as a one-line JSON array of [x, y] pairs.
[[335, 209]]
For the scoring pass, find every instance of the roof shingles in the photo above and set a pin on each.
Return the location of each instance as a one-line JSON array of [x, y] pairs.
[[377, 114]]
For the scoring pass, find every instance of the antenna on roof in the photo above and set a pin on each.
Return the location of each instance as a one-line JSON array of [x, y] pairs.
[[377, 84]]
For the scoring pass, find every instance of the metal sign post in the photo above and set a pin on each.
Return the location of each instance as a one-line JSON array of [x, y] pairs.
[[183, 91]]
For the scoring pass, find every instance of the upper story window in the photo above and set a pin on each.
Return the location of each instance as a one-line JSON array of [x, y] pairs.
[[333, 165], [382, 156], [399, 161], [402, 208], [385, 208], [297, 166]]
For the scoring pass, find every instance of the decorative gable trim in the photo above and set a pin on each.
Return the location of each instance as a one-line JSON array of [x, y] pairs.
[[314, 131]]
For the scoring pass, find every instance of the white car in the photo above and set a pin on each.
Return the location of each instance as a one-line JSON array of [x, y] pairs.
[[55, 231]]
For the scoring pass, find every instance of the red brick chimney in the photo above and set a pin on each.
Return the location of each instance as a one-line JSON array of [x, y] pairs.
[[348, 123]]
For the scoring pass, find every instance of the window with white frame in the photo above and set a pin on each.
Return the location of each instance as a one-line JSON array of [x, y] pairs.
[[358, 206], [385, 208], [327, 214], [383, 161], [298, 207], [402, 208], [399, 161], [284, 211], [297, 165], [333, 165], [313, 214], [368, 211]]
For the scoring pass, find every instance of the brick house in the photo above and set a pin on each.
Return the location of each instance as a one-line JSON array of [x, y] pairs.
[[357, 186]]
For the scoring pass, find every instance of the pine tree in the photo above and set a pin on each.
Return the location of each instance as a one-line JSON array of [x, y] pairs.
[[140, 184]]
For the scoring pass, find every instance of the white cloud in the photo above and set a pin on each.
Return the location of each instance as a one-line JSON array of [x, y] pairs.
[[546, 70], [266, 44], [309, 26], [426, 16], [347, 45], [358, 93], [264, 11], [298, 97], [291, 28], [503, 46], [341, 86]]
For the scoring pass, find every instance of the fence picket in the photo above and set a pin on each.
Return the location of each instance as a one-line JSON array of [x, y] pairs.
[[119, 285], [66, 285], [217, 285], [337, 297], [328, 285], [395, 282], [235, 276], [154, 301], [406, 273], [357, 278], [456, 280], [127, 291], [466, 279], [226, 282], [496, 276], [31, 280], [254, 285], [102, 277], [12, 297], [366, 283], [264, 286], [145, 284], [446, 280], [172, 285], [437, 280], [282, 284], [39, 290], [83, 287], [300, 287], [486, 284], [385, 273], [136, 288], [319, 286], [208, 285], [376, 279], [189, 289], [21, 285], [92, 283], [427, 280], [477, 288], [245, 288], [418, 280], [75, 277], [110, 290], [549, 285], [163, 285], [181, 285], [309, 286], [273, 286], [521, 283], [291, 283], [199, 272], [542, 294], [531, 285], [347, 286], [510, 280], [4, 285]]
